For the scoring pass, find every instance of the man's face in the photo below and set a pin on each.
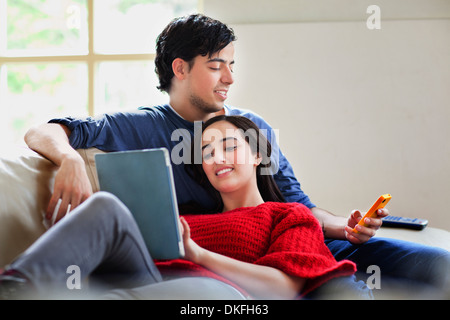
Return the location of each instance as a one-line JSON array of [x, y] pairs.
[[210, 79]]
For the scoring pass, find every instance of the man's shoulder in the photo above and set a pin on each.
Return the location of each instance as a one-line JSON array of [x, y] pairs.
[[235, 111], [162, 110], [252, 115]]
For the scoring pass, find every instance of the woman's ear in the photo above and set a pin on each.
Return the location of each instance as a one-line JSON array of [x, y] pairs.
[[179, 68], [258, 160]]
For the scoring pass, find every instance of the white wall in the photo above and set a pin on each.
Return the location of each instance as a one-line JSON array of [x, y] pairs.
[[360, 112]]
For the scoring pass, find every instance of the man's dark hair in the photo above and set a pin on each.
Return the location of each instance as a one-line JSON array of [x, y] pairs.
[[186, 38]]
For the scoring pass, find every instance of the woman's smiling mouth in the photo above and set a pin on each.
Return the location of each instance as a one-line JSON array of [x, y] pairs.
[[223, 171]]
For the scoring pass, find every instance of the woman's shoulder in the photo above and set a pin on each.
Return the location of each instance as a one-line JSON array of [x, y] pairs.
[[269, 208], [292, 211], [286, 206]]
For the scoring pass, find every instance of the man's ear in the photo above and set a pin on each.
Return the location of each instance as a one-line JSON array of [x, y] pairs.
[[179, 68]]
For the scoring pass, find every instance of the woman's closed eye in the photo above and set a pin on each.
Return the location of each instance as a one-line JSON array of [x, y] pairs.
[[230, 148], [207, 155]]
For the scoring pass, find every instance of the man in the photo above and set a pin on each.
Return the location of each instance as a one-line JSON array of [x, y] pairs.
[[197, 78], [194, 62]]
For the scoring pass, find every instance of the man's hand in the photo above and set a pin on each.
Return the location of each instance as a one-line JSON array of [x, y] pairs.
[[364, 233], [72, 186]]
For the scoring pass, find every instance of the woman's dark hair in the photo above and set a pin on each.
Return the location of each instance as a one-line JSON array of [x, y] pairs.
[[258, 144], [186, 38]]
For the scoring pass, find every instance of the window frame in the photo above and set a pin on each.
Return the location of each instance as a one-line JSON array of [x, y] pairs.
[[91, 59]]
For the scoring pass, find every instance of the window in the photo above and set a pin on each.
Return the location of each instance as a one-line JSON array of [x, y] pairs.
[[78, 57]]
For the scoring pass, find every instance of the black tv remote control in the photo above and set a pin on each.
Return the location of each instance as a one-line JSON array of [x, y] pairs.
[[402, 222]]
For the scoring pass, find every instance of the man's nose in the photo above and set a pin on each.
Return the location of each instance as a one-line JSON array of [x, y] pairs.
[[227, 76]]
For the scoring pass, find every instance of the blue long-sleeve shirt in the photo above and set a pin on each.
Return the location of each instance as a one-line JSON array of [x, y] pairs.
[[161, 126]]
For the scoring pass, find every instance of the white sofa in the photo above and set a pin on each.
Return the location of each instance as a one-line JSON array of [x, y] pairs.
[[26, 182]]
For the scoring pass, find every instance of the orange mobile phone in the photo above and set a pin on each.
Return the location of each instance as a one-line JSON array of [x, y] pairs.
[[372, 212]]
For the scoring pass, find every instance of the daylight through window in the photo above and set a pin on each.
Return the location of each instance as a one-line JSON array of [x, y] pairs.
[[78, 57]]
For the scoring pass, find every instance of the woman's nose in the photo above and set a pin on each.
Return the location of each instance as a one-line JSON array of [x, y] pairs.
[[219, 157]]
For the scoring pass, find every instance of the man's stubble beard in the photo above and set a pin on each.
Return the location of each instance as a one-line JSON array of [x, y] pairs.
[[203, 106]]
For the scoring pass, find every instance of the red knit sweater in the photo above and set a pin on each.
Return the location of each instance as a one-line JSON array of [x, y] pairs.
[[285, 236]]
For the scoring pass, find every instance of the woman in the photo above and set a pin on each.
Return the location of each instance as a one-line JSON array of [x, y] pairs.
[[259, 245], [235, 154]]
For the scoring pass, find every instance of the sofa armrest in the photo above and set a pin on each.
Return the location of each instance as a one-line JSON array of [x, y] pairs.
[[26, 181], [26, 185], [429, 236]]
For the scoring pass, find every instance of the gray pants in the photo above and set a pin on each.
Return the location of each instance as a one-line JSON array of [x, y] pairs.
[[101, 241]]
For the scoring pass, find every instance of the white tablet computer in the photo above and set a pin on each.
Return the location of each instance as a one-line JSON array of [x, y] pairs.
[[143, 181]]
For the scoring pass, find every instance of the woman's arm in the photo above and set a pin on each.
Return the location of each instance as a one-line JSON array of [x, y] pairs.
[[260, 281]]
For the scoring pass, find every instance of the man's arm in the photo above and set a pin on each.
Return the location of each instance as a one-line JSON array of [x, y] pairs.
[[332, 226], [72, 184], [337, 227]]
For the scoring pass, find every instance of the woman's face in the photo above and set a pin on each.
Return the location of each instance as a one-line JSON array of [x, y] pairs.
[[228, 160]]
